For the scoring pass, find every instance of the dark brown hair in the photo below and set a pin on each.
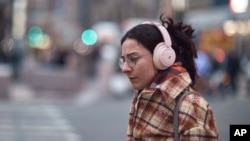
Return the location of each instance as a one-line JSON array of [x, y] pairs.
[[182, 41]]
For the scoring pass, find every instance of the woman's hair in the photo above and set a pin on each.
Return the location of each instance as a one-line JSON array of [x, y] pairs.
[[181, 36]]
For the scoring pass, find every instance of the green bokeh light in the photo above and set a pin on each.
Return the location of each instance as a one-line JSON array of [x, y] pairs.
[[89, 37], [35, 36]]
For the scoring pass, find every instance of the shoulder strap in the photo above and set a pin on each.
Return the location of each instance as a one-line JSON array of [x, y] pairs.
[[176, 113]]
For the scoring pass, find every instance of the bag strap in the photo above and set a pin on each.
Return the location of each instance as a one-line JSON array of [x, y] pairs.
[[176, 113]]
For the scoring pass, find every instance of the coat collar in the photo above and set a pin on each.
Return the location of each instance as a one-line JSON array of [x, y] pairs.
[[172, 82]]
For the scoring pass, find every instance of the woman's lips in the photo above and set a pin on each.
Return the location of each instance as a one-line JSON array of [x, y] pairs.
[[132, 79]]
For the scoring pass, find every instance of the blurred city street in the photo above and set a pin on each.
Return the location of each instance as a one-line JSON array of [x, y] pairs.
[[90, 116], [59, 73]]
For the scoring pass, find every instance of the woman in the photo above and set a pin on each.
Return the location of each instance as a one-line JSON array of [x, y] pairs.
[[158, 59]]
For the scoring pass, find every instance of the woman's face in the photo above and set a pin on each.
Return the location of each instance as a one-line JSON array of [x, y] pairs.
[[138, 65]]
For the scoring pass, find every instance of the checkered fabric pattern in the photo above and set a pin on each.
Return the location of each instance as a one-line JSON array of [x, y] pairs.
[[151, 111]]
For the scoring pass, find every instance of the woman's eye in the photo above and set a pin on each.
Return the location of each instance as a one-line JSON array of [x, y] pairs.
[[133, 58]]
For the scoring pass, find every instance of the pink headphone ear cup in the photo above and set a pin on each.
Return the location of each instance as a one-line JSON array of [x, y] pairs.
[[164, 56]]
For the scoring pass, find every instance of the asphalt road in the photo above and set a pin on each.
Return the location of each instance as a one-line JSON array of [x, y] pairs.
[[106, 119], [102, 119]]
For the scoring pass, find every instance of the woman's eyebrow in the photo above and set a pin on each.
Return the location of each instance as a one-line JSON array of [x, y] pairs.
[[131, 54]]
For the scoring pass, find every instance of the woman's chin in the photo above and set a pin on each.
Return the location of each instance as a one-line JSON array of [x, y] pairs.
[[137, 87]]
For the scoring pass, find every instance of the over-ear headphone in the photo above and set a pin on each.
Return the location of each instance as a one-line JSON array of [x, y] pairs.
[[164, 55]]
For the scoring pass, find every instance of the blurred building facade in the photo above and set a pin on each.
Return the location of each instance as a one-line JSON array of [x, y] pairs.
[[5, 26], [76, 15], [50, 31], [222, 29]]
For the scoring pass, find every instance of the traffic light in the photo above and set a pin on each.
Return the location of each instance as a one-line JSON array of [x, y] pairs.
[[89, 37]]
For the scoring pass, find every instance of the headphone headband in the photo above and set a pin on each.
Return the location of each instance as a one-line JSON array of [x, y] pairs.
[[163, 30]]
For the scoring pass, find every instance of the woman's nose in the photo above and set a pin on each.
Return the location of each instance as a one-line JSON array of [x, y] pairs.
[[126, 68]]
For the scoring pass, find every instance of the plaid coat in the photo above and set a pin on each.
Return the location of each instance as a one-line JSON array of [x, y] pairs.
[[151, 111]]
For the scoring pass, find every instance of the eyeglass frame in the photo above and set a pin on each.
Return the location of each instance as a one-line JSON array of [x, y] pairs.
[[133, 58]]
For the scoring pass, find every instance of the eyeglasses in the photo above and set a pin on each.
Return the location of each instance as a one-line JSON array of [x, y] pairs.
[[131, 60]]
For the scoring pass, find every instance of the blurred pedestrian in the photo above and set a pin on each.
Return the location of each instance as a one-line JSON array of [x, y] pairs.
[[204, 68], [232, 71], [158, 59], [106, 67]]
